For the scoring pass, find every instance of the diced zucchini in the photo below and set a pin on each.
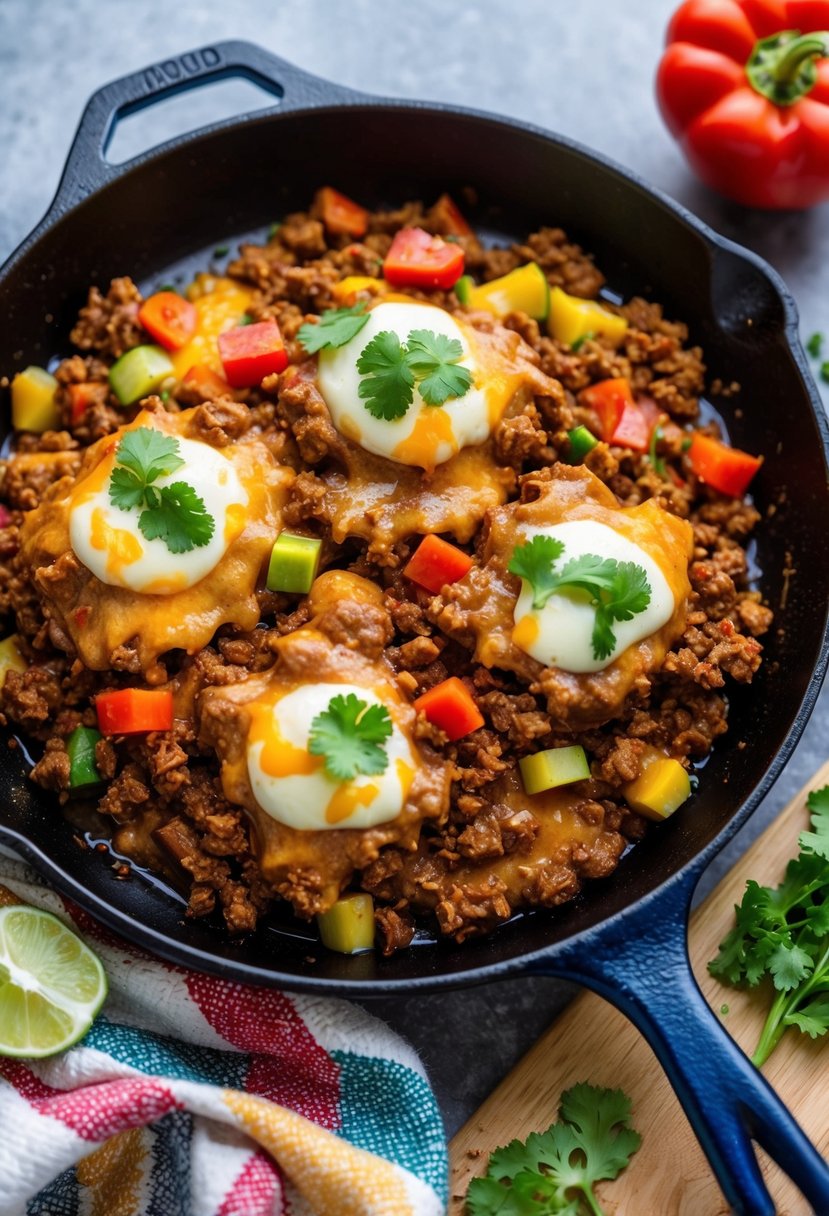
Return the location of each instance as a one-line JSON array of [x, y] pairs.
[[294, 563], [10, 657], [33, 401], [464, 288], [556, 766], [348, 925], [582, 441], [523, 290], [660, 789], [139, 372], [571, 318]]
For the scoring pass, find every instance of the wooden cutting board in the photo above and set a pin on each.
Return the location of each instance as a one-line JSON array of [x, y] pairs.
[[591, 1041]]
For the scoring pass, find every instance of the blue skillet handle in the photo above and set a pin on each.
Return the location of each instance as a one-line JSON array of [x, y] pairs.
[[641, 965], [86, 168]]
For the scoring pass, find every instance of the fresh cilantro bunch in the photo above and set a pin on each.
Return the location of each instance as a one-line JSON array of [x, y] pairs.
[[619, 590], [349, 734], [174, 513], [783, 933], [390, 369], [334, 328], [554, 1172]]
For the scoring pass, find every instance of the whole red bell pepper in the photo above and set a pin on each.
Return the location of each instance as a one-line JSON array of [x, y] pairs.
[[744, 88]]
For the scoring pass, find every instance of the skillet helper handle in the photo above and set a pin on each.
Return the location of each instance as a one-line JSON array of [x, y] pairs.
[[86, 167], [643, 968]]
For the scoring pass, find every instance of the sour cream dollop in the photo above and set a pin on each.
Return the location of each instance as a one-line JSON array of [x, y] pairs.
[[109, 542], [560, 633], [293, 786]]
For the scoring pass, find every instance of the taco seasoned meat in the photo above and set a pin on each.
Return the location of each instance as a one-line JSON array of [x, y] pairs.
[[383, 562]]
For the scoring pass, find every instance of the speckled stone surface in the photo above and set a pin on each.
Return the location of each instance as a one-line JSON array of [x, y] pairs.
[[585, 70]]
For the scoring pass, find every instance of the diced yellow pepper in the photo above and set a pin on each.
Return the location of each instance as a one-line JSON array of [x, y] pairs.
[[33, 401], [660, 789], [571, 318], [348, 925], [347, 290], [553, 767], [523, 290], [10, 657]]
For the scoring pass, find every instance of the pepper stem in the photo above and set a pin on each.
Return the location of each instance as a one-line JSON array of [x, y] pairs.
[[783, 67]]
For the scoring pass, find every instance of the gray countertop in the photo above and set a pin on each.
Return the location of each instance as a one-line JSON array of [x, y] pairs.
[[584, 70]]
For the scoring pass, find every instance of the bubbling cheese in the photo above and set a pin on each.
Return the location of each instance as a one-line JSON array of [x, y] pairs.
[[560, 633], [426, 435], [293, 787], [109, 542]]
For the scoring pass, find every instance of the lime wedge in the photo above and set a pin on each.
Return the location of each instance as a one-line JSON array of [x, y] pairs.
[[51, 984]]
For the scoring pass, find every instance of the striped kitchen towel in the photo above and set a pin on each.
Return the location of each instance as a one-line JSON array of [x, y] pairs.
[[195, 1096]]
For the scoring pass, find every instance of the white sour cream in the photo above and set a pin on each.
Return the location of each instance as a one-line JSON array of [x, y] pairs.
[[559, 634], [294, 788]]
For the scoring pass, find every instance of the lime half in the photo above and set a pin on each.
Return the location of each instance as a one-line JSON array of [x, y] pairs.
[[51, 984]]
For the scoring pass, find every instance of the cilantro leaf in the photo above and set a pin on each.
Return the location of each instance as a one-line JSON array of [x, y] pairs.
[[175, 513], [618, 590], [149, 454], [433, 358], [387, 386], [178, 518], [554, 1172], [349, 734], [334, 328], [782, 933], [125, 489], [818, 840], [534, 562]]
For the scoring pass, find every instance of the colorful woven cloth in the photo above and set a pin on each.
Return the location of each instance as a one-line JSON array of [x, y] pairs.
[[194, 1096]]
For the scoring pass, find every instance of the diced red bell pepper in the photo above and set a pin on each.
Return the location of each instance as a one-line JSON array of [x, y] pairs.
[[450, 707], [621, 420], [207, 383], [134, 711], [418, 259], [169, 318], [340, 214], [436, 563], [249, 353], [448, 217], [727, 469], [81, 397]]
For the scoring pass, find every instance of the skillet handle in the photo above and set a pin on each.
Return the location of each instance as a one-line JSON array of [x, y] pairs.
[[642, 967], [86, 166]]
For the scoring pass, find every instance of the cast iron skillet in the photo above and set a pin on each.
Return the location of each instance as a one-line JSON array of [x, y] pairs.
[[625, 937]]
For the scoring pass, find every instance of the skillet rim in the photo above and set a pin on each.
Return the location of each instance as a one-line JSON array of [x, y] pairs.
[[677, 888]]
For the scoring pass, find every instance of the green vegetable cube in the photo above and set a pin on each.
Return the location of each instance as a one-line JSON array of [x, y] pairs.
[[80, 747], [582, 441], [348, 926], [553, 767], [139, 372], [294, 563]]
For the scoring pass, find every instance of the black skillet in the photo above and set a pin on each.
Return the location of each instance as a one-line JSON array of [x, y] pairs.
[[625, 937]]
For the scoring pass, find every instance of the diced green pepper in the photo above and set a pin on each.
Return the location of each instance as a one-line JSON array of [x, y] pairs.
[[294, 563], [553, 767], [80, 747], [582, 441], [348, 925], [464, 288], [139, 372]]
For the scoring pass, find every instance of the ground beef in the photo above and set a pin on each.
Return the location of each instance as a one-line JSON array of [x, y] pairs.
[[485, 850]]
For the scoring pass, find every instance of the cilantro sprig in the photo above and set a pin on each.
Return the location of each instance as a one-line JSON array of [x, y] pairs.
[[782, 933], [350, 734], [334, 328], [390, 369], [173, 513], [554, 1172], [619, 590]]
